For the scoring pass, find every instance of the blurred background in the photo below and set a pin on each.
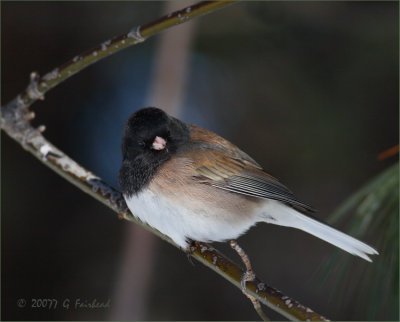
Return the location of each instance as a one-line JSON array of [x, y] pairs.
[[308, 89]]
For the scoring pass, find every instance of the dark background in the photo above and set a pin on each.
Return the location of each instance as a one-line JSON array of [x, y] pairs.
[[309, 90]]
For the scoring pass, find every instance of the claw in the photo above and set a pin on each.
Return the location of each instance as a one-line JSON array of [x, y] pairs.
[[190, 258], [248, 276]]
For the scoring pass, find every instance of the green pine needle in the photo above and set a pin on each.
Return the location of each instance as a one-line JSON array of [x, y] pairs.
[[374, 211]]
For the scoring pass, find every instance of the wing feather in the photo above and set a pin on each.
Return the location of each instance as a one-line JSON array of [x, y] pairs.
[[219, 169]]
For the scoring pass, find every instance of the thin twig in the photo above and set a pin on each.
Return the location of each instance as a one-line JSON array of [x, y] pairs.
[[40, 85], [15, 121]]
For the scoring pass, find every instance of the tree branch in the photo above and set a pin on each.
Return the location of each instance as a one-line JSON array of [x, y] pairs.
[[15, 121], [40, 85]]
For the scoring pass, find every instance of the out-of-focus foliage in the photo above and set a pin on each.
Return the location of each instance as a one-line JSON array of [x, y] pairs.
[[374, 216]]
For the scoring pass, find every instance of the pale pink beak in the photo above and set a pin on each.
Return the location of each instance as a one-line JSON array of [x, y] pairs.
[[159, 143]]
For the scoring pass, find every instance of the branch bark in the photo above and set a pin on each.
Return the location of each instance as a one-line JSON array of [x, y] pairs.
[[15, 121], [40, 85]]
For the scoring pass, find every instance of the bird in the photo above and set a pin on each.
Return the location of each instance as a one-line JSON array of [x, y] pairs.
[[193, 185]]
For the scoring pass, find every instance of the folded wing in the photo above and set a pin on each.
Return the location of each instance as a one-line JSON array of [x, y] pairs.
[[224, 171]]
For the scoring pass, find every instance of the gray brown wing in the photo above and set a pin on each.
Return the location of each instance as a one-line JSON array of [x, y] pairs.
[[244, 177]]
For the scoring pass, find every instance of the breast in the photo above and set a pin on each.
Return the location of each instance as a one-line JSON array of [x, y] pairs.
[[184, 207]]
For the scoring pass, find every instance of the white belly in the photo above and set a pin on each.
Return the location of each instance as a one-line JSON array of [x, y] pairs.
[[179, 222]]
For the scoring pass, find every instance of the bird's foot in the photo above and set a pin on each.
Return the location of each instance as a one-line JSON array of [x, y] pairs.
[[248, 276], [191, 246]]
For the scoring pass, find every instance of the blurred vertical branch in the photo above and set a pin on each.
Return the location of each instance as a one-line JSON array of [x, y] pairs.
[[167, 90]]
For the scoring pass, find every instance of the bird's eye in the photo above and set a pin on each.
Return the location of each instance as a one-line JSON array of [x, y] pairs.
[[141, 143]]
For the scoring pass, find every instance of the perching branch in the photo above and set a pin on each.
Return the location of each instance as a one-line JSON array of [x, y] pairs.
[[15, 121]]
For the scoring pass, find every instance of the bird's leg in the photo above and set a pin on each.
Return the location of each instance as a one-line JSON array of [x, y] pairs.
[[248, 275]]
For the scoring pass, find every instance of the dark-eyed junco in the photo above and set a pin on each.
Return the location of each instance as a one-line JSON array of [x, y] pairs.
[[192, 184]]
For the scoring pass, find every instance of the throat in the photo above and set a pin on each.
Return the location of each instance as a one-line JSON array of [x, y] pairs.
[[137, 174]]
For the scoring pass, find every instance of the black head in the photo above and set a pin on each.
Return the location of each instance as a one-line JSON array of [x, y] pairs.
[[147, 124], [150, 138]]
